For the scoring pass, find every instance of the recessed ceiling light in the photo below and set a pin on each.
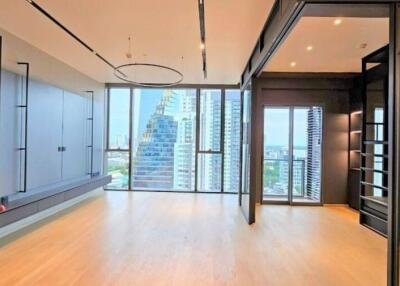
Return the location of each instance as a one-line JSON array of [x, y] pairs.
[[337, 21], [202, 46], [310, 48], [293, 64]]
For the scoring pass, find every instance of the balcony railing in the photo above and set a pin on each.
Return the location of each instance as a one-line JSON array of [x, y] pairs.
[[276, 177]]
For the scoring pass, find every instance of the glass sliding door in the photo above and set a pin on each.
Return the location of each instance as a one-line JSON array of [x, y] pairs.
[[276, 153], [292, 154], [247, 196]]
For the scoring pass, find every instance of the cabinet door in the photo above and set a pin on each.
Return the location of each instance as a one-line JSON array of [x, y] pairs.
[[9, 130], [75, 161], [44, 135]]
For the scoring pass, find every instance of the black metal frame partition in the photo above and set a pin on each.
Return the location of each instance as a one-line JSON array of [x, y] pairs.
[[198, 88], [90, 118], [24, 105], [282, 19]]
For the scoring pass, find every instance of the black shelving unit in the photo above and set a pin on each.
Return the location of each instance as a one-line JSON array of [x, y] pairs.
[[374, 142], [355, 133]]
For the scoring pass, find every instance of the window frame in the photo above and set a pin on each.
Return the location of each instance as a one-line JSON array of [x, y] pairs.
[[198, 152], [118, 150]]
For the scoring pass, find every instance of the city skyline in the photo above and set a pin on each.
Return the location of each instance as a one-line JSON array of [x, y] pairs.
[[155, 111]]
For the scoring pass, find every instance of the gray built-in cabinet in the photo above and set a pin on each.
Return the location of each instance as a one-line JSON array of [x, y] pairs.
[[9, 133], [58, 135]]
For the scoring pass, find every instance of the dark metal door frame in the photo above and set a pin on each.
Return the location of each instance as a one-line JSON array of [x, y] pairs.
[[394, 148]]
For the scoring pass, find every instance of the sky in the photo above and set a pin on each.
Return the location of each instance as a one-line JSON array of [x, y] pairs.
[[144, 104], [276, 126]]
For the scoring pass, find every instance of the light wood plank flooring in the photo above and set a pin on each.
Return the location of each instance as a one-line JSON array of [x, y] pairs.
[[151, 239]]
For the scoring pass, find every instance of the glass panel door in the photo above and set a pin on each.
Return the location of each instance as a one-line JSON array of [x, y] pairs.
[[247, 200], [292, 154], [276, 153]]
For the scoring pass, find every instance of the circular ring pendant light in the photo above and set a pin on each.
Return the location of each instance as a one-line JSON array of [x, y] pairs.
[[118, 72]]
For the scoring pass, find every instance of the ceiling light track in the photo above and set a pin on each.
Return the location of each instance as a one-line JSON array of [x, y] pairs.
[[69, 32], [203, 37]]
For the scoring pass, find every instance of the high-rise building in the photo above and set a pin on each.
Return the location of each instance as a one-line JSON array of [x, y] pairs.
[[209, 171], [185, 147], [153, 161], [313, 177], [232, 144]]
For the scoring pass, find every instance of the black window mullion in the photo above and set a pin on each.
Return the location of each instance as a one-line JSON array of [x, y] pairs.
[[197, 137], [130, 139], [222, 138], [108, 120]]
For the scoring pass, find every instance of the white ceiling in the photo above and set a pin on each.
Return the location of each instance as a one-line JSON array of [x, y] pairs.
[[336, 48], [163, 32]]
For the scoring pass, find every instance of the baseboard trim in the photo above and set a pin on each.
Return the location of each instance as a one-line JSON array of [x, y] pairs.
[[336, 205], [25, 222]]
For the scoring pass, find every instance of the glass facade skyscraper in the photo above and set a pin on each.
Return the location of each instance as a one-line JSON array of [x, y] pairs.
[[153, 161]]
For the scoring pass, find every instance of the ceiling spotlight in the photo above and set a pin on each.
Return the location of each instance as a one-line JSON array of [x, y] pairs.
[[310, 48], [293, 64], [202, 46], [337, 22]]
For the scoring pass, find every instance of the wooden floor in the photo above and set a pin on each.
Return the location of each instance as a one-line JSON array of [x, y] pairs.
[[151, 239]]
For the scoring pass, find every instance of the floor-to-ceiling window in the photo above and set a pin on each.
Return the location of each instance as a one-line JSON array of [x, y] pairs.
[[118, 139], [209, 168], [179, 139], [163, 139], [231, 135], [292, 154]]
